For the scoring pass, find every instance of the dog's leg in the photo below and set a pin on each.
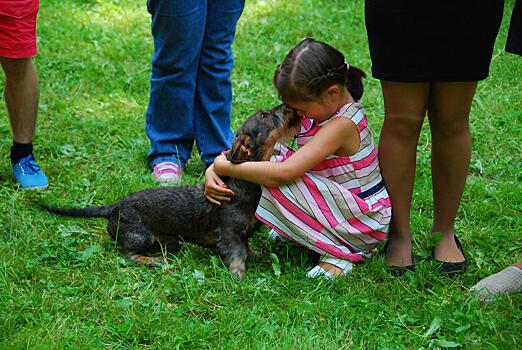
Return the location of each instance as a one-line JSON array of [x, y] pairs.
[[126, 228], [234, 252], [172, 245]]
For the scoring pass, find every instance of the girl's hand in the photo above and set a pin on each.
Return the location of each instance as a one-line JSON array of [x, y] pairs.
[[216, 190]]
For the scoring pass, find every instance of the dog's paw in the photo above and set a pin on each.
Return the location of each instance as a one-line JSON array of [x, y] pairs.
[[238, 268], [239, 274]]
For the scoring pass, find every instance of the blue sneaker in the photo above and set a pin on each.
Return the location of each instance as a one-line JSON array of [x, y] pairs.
[[29, 175]]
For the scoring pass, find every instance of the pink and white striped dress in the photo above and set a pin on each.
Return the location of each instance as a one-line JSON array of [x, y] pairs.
[[340, 208]]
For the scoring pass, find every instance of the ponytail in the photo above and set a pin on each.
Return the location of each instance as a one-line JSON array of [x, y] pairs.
[[353, 82]]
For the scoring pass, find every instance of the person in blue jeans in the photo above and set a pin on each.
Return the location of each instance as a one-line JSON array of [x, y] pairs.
[[190, 86]]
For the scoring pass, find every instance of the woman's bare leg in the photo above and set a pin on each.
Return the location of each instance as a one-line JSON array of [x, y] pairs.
[[405, 106], [448, 113]]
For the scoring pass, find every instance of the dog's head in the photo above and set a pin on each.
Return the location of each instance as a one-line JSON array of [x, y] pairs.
[[258, 135]]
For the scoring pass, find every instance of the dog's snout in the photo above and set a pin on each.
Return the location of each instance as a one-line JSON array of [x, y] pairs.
[[246, 150]]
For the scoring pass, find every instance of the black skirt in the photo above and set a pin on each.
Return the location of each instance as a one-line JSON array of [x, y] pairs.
[[432, 41], [514, 39]]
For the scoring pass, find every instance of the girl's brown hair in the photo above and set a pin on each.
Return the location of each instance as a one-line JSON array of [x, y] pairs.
[[313, 66]]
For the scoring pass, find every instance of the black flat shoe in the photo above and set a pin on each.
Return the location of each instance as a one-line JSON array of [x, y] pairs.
[[398, 271], [452, 267]]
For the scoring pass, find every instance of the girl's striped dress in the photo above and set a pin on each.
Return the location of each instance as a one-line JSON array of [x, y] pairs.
[[340, 208]]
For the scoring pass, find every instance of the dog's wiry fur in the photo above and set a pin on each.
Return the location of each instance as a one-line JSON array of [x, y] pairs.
[[168, 216]]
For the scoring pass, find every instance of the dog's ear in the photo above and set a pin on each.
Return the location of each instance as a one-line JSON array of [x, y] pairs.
[[242, 149], [236, 146]]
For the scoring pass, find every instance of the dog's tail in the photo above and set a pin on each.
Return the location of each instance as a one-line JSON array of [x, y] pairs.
[[93, 212]]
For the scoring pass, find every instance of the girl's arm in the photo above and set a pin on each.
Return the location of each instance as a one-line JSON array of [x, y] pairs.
[[338, 134]]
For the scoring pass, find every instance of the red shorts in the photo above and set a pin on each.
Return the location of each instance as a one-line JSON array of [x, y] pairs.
[[18, 28]]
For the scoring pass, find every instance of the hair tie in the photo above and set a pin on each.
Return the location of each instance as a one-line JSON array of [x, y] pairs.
[[330, 73]]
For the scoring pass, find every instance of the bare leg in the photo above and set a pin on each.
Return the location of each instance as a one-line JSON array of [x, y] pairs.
[[21, 97], [448, 113], [332, 269], [405, 106]]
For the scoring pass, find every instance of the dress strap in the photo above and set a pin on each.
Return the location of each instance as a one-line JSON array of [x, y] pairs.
[[351, 110]]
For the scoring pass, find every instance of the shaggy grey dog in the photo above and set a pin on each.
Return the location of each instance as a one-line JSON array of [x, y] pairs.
[[165, 217]]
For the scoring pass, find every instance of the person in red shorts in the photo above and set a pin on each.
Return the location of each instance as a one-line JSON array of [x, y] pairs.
[[21, 93]]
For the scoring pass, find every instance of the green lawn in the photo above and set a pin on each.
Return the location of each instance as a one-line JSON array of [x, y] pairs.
[[64, 284]]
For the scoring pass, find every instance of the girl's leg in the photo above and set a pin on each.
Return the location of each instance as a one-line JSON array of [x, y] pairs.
[[177, 29], [404, 107], [213, 102], [448, 113], [330, 268]]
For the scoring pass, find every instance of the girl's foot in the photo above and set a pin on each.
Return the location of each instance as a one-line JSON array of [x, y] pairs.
[[166, 172], [330, 268]]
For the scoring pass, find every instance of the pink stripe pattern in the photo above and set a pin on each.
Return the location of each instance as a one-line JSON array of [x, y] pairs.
[[325, 215]]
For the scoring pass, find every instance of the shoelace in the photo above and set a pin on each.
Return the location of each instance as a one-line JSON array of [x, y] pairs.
[[29, 166]]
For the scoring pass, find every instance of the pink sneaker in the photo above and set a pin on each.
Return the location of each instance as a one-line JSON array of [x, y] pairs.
[[167, 172]]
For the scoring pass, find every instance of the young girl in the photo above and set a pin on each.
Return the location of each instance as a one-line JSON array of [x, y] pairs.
[[328, 195]]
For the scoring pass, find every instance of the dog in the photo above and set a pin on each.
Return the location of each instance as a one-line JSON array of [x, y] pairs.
[[153, 218]]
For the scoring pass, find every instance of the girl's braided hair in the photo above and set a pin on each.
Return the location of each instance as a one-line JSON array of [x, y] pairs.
[[313, 66]]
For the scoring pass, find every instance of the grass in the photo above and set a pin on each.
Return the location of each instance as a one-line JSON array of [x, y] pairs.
[[64, 284]]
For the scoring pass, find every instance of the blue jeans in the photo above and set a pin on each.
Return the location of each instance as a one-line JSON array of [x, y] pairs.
[[190, 87]]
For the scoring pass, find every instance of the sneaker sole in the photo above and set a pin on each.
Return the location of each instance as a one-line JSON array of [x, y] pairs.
[[164, 181], [37, 188]]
